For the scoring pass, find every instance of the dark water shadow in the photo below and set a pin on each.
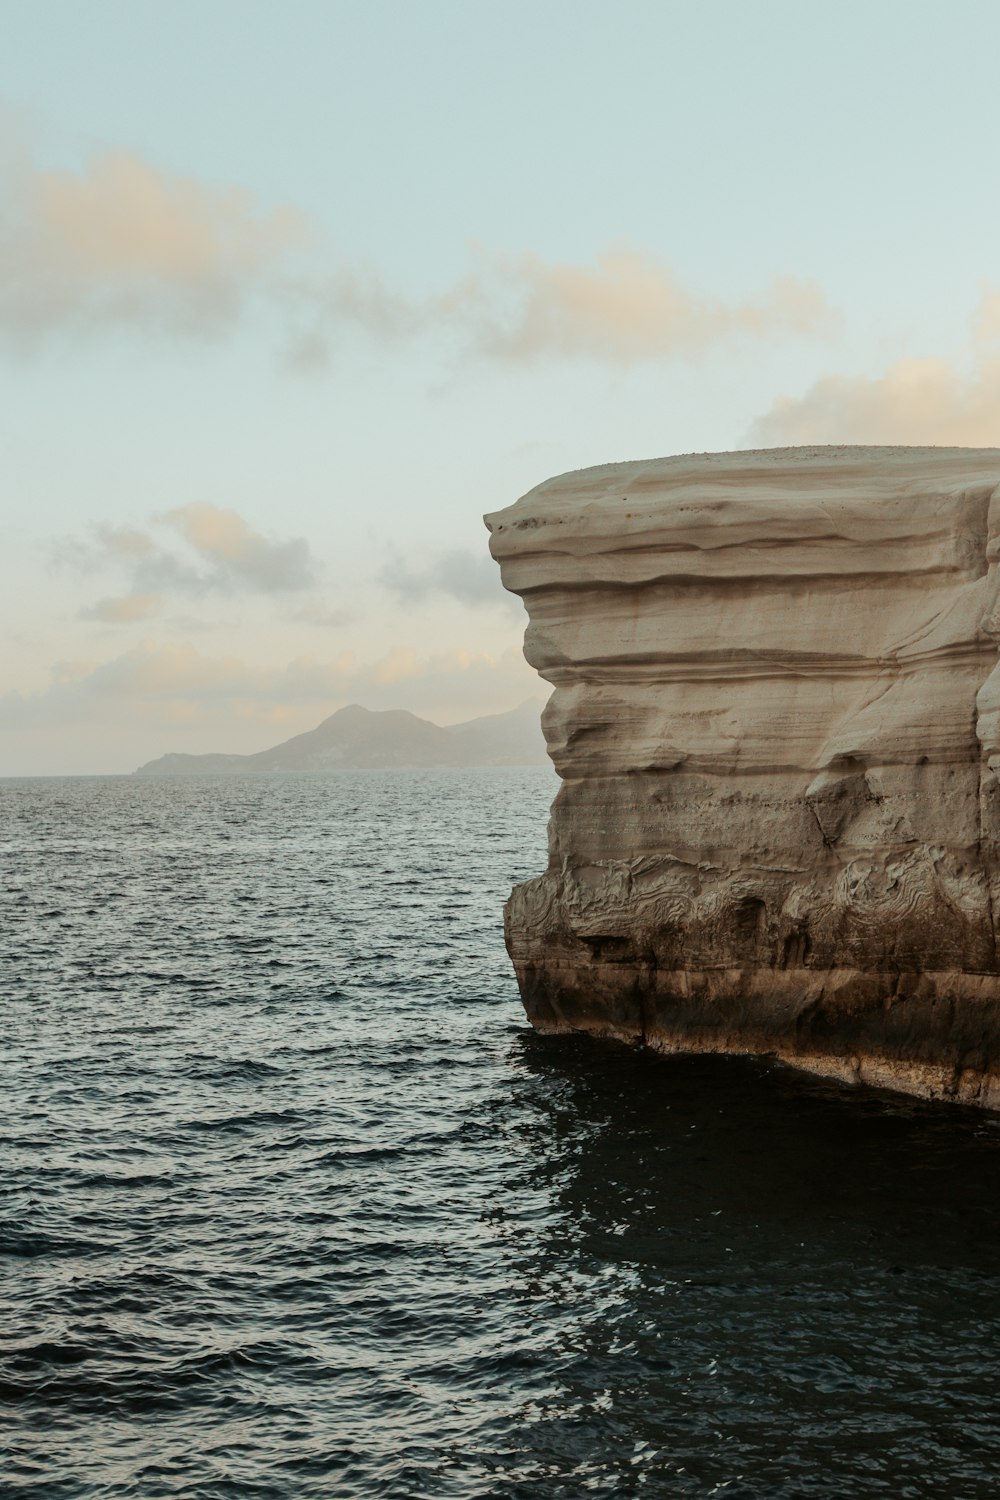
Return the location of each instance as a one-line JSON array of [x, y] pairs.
[[756, 1283], [791, 1163]]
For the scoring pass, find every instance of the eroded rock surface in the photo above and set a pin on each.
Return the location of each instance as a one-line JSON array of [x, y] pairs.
[[776, 715]]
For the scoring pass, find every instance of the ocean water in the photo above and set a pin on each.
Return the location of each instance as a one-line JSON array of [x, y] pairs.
[[295, 1204]]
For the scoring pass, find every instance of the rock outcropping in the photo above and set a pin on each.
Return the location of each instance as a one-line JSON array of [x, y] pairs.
[[777, 721]]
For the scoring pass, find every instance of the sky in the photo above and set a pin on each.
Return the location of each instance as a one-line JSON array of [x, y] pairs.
[[291, 294]]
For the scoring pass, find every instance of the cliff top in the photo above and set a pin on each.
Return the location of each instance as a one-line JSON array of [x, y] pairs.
[[766, 512], [856, 462]]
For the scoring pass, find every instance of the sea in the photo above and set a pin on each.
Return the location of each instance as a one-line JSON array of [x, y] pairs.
[[295, 1204]]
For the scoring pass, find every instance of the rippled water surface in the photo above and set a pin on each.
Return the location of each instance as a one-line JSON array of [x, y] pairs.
[[294, 1204]]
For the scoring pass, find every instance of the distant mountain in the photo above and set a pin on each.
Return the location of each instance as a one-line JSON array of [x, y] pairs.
[[362, 739]]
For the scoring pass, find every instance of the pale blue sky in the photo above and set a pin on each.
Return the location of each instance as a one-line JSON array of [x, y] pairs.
[[430, 329]]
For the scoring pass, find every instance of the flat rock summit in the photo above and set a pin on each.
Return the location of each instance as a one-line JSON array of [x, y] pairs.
[[776, 716]]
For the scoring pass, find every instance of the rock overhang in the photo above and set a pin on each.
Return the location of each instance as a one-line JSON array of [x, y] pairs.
[[776, 713]]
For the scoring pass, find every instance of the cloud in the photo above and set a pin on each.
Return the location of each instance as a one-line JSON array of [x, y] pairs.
[[986, 320], [123, 611], [124, 244], [469, 577], [921, 401], [193, 551], [359, 295], [627, 308], [119, 243], [239, 557], [924, 401], [157, 674]]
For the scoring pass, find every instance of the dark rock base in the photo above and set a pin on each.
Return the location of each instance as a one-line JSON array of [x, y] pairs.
[[935, 1035]]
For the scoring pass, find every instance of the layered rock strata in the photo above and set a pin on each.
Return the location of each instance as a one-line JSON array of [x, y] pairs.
[[776, 716]]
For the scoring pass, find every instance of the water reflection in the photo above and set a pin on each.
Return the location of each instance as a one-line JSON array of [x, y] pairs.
[[762, 1284]]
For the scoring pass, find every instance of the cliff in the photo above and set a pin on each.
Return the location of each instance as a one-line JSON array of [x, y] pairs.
[[363, 739], [776, 716]]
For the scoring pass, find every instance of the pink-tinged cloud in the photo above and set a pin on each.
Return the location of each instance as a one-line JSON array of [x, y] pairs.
[[240, 556], [191, 552], [127, 609], [920, 401], [628, 307], [159, 682], [122, 243], [986, 322]]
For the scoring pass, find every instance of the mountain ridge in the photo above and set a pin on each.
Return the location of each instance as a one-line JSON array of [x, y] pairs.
[[355, 738]]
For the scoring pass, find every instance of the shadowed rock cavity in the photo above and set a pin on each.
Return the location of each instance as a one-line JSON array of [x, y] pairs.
[[776, 716]]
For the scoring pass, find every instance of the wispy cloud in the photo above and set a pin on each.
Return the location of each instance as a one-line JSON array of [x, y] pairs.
[[519, 309], [922, 401], [236, 556], [467, 576], [125, 610], [193, 551], [159, 674], [123, 244], [627, 308], [986, 319]]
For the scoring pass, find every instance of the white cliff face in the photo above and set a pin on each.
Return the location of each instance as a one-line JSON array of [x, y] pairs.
[[777, 720]]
